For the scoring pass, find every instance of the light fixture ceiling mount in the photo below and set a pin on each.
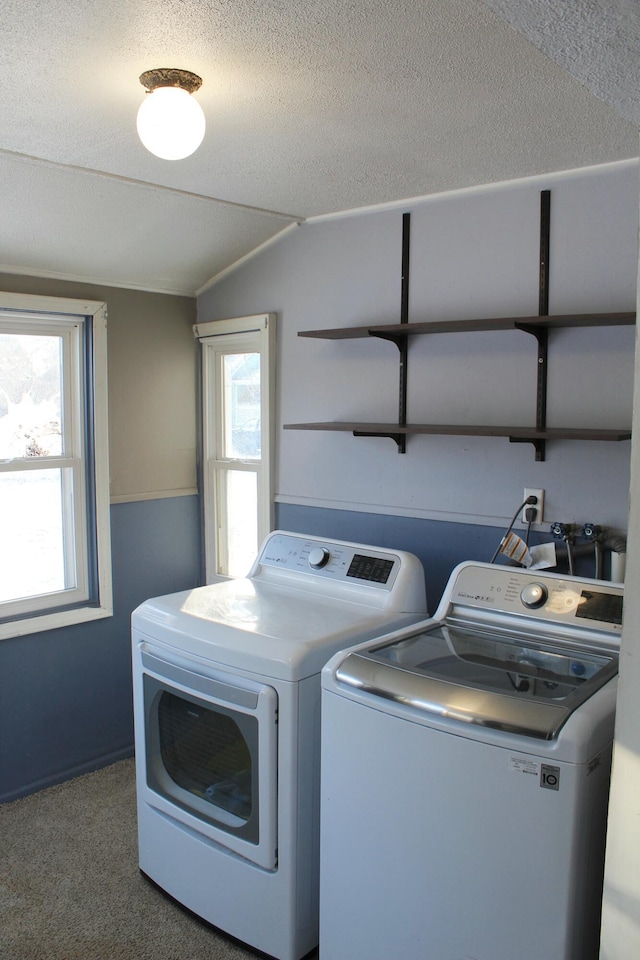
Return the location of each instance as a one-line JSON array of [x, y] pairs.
[[170, 77], [170, 121]]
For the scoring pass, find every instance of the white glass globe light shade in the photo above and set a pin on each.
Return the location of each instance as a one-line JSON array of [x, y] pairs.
[[170, 123]]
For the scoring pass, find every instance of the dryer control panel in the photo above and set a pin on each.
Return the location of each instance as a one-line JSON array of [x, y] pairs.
[[331, 558], [545, 597], [389, 580]]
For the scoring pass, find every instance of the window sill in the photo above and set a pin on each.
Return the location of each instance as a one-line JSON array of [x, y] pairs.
[[52, 621]]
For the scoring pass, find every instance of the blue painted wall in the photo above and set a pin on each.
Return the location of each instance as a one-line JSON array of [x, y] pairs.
[[65, 695]]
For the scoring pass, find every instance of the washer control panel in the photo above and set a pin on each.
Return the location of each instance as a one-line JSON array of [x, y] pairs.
[[591, 604]]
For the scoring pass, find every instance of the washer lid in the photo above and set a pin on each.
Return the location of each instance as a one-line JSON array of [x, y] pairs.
[[485, 678]]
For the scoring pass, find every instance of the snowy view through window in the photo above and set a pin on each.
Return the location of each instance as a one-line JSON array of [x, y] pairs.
[[31, 553]]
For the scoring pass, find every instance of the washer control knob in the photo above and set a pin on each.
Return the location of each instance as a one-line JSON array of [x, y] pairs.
[[318, 557], [534, 595]]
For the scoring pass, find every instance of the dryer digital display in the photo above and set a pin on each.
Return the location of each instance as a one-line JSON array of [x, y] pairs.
[[370, 568]]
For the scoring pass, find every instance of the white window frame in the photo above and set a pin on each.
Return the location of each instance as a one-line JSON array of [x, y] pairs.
[[87, 545], [238, 335]]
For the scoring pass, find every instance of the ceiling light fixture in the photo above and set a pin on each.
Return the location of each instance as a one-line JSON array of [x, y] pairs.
[[170, 121]]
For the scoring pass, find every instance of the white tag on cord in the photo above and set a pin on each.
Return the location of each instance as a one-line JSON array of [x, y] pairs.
[[516, 549]]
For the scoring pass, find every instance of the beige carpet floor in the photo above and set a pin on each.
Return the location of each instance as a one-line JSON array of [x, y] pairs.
[[70, 888]]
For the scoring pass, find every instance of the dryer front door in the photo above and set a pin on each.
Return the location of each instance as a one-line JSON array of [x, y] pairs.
[[211, 752]]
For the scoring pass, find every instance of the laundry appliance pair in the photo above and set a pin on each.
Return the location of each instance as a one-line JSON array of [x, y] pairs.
[[464, 758]]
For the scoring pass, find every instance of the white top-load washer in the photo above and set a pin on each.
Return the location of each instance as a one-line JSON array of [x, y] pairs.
[[227, 726], [465, 775]]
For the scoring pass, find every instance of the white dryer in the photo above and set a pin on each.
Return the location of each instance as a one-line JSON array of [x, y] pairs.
[[465, 775], [227, 726]]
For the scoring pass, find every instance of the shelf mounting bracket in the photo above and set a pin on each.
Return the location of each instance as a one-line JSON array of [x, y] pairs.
[[401, 341], [539, 445], [542, 336], [399, 438], [541, 333]]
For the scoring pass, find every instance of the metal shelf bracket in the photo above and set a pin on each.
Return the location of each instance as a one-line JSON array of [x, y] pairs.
[[540, 446], [399, 438], [541, 333]]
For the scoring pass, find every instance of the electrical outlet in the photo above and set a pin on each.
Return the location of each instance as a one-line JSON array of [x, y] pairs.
[[539, 506]]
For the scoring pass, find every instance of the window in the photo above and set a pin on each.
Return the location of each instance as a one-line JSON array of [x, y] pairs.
[[238, 382], [55, 566]]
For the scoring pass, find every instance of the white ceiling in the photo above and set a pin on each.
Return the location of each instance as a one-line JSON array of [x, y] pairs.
[[313, 107]]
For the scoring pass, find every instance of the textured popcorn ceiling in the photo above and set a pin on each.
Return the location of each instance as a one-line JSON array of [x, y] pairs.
[[596, 41], [313, 107]]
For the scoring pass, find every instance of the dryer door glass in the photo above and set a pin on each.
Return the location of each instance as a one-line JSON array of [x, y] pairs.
[[213, 758], [205, 752]]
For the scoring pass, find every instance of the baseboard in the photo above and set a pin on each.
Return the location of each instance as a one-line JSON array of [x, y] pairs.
[[90, 766]]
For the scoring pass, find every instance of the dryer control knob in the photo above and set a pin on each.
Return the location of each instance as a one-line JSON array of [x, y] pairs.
[[318, 557], [534, 595]]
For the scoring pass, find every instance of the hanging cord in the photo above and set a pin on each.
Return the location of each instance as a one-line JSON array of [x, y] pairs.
[[530, 501], [529, 515]]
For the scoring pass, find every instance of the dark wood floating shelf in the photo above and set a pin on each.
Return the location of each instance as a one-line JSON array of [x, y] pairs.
[[402, 330], [524, 434]]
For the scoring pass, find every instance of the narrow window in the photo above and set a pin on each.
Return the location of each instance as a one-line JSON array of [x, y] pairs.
[[238, 381], [54, 561]]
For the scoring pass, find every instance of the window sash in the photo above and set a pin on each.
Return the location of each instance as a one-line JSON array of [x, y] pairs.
[[73, 546], [244, 335], [233, 559], [82, 467]]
